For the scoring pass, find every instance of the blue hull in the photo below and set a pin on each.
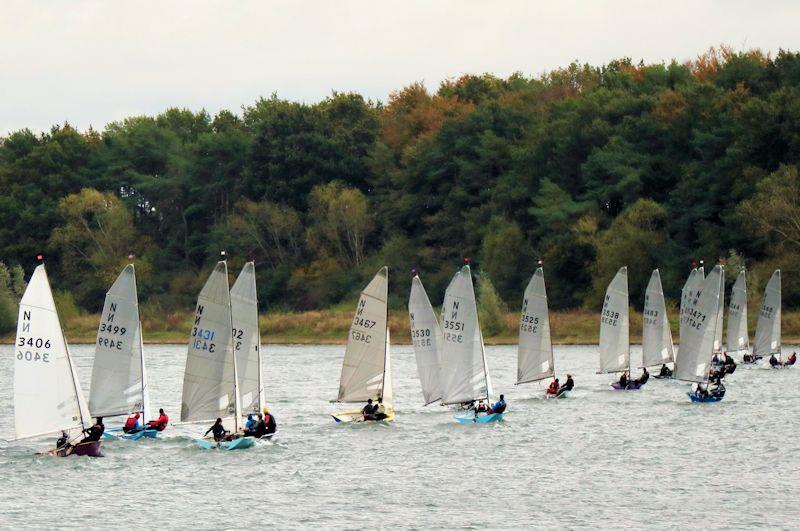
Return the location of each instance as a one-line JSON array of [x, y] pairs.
[[632, 386], [481, 419], [237, 444], [150, 434], [696, 398]]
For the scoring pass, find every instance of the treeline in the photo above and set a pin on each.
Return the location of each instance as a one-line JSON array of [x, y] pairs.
[[587, 168]]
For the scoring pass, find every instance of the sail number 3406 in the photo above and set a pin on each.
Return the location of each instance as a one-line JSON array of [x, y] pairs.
[[36, 343]]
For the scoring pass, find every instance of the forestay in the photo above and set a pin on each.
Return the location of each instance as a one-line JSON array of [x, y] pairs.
[[614, 339], [47, 395], [365, 358], [535, 350], [657, 345], [719, 330], [426, 336], [465, 375], [768, 327], [694, 361], [118, 383], [209, 383], [738, 336], [247, 340]]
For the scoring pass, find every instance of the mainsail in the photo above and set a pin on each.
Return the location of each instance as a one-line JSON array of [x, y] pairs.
[[615, 355], [426, 336], [119, 385], [656, 335], [738, 336], [535, 351], [366, 369], [209, 383], [720, 312], [689, 294], [694, 361], [768, 327], [247, 340], [465, 376], [47, 395]]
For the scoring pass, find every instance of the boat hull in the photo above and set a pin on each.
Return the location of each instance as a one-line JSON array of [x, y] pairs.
[[86, 449], [696, 398], [562, 394], [355, 415], [480, 419], [133, 436], [240, 443], [632, 386]]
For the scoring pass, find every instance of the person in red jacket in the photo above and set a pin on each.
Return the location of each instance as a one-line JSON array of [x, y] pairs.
[[553, 389], [131, 424], [160, 423]]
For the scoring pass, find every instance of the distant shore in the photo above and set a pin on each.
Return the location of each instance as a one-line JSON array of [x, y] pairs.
[[329, 327]]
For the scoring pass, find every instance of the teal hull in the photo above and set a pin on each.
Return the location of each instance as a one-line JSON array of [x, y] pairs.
[[150, 434], [480, 419], [237, 444]]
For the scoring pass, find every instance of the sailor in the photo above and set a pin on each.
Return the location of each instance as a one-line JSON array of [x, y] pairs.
[[701, 391], [791, 360], [94, 433], [773, 361], [250, 424], [131, 424], [719, 390], [665, 371], [218, 430], [553, 389], [499, 406], [160, 423], [269, 422], [568, 385], [63, 442], [643, 378], [368, 410], [623, 380]]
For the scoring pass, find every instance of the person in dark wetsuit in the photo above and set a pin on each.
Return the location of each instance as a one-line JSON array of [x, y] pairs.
[[269, 421], [643, 378], [218, 431], [665, 371], [63, 442], [623, 380], [368, 410], [773, 361], [94, 433], [701, 391], [379, 412], [568, 385]]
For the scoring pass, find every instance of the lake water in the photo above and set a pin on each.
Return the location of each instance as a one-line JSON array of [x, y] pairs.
[[598, 459]]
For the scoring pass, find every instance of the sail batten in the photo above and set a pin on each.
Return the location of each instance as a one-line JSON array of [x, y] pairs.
[[365, 365], [426, 336], [465, 375], [768, 326], [47, 395], [657, 347], [615, 353], [535, 350], [694, 360], [209, 382], [118, 371]]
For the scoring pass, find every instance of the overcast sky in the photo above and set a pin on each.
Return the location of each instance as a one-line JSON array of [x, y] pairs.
[[92, 62]]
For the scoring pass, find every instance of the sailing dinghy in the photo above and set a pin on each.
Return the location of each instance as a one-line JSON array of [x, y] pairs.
[[465, 374], [210, 382], [367, 368], [47, 395], [768, 328], [615, 346], [657, 347], [426, 336], [535, 348], [694, 362], [119, 378]]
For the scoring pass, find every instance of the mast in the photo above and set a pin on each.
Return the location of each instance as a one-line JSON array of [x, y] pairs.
[[237, 407], [385, 346]]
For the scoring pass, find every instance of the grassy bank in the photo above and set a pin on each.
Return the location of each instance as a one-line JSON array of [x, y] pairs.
[[331, 326]]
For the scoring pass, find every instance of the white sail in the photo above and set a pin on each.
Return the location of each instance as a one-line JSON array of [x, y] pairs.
[[738, 336], [656, 335], [47, 395], [209, 383], [426, 336], [720, 312], [535, 350], [118, 384], [364, 365], [247, 340], [768, 327], [465, 376], [694, 361], [615, 352]]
